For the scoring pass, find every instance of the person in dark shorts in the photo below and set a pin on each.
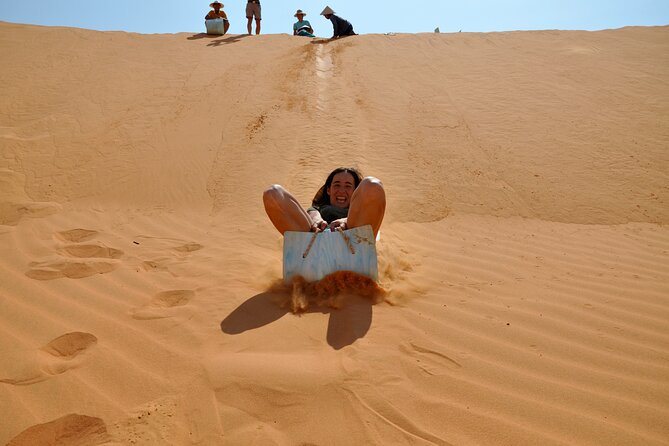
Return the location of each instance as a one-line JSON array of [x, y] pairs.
[[253, 10]]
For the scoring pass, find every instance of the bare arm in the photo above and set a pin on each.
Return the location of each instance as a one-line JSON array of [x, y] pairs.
[[317, 222], [335, 28]]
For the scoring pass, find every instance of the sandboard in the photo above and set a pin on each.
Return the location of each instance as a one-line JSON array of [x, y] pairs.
[[327, 252], [215, 26]]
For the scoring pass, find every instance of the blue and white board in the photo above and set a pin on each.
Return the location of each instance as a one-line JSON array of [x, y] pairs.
[[329, 253], [215, 26]]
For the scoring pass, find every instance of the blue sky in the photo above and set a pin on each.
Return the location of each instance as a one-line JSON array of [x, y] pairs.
[[411, 16]]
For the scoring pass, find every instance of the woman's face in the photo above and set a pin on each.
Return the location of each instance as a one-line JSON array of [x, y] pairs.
[[341, 189], [300, 17]]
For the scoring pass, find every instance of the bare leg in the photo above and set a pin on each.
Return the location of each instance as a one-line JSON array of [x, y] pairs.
[[284, 210], [368, 205], [248, 24], [226, 26], [257, 27]]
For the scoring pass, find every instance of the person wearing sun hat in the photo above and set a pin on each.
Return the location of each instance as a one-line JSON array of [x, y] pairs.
[[218, 13], [302, 27], [340, 26]]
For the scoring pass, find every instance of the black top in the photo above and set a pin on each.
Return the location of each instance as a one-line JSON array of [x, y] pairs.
[[330, 213], [341, 27]]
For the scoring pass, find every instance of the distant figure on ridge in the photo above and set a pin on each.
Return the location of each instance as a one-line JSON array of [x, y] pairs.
[[253, 10], [217, 13], [346, 201], [340, 26], [302, 27]]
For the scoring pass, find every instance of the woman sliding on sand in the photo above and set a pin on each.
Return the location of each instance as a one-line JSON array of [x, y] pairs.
[[346, 200]]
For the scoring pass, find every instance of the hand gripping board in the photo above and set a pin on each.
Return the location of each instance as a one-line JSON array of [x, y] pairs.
[[328, 253]]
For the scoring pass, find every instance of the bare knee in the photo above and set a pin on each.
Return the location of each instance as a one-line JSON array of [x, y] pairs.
[[371, 188], [372, 182], [368, 204], [273, 195]]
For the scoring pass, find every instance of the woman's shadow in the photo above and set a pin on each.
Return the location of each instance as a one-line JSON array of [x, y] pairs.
[[346, 325]]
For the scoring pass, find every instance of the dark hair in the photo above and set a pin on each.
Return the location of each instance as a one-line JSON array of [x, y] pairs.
[[322, 197]]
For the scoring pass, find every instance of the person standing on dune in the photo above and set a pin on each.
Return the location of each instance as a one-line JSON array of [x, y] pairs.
[[340, 26], [253, 10]]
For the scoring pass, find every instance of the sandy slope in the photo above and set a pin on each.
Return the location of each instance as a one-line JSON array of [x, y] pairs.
[[524, 250]]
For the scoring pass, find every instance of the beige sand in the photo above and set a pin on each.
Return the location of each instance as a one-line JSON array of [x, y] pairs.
[[525, 251]]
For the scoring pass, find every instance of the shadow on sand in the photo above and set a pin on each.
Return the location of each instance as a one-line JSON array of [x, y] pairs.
[[217, 40], [346, 325], [325, 41]]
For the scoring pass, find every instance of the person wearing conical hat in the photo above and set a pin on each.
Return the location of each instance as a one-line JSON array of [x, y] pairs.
[[218, 13], [340, 26], [302, 27]]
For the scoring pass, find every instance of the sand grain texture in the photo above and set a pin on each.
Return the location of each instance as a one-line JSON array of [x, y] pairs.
[[524, 254]]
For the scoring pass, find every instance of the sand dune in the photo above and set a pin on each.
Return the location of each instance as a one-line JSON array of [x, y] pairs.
[[524, 254]]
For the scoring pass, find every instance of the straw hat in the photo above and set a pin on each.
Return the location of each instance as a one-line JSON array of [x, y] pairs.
[[211, 5], [327, 11], [300, 12]]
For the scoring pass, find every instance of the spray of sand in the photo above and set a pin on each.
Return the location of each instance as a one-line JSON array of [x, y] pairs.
[[330, 291]]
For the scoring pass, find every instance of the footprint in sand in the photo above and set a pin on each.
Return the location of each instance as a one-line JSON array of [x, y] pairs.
[[155, 265], [77, 235], [73, 429], [50, 270], [189, 247], [161, 254], [76, 269], [70, 345], [162, 303], [55, 358], [89, 251], [11, 212]]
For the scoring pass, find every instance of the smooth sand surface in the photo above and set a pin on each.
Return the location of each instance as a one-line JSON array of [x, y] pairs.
[[524, 254]]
